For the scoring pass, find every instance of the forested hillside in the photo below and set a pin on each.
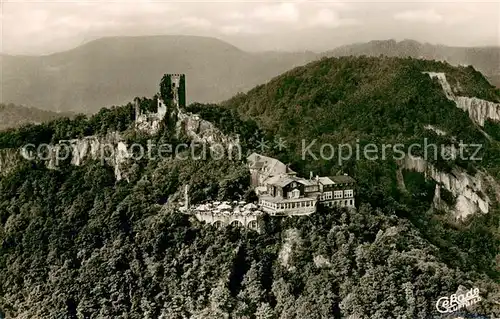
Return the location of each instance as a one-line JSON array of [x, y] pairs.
[[484, 59], [373, 100], [361, 101], [14, 115], [75, 243], [114, 70]]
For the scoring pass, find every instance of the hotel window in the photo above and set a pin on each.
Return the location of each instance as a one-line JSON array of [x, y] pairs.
[[348, 193], [337, 194], [328, 195], [295, 193]]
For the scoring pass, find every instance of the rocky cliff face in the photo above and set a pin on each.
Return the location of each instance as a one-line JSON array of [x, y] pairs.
[[479, 110], [111, 149], [470, 191], [9, 158], [202, 131], [291, 241], [435, 130]]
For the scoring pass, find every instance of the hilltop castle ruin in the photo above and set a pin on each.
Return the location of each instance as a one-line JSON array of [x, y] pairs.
[[170, 99]]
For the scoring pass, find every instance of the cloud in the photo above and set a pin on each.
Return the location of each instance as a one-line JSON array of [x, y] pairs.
[[284, 12], [330, 19], [239, 29], [235, 15], [426, 16], [41, 26], [196, 22]]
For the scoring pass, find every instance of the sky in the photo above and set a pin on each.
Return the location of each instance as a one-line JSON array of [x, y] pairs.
[[42, 27]]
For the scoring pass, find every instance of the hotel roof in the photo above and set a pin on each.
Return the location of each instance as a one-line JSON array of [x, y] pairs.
[[342, 179], [287, 200], [283, 180], [326, 181]]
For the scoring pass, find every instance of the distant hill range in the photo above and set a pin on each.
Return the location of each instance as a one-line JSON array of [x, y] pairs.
[[112, 71], [14, 115], [484, 59]]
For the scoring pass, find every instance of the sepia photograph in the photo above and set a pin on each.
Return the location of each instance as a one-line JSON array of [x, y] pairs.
[[249, 159]]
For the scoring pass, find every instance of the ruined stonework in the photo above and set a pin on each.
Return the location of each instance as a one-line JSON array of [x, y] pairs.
[[150, 122], [112, 150], [479, 110], [221, 214], [248, 220]]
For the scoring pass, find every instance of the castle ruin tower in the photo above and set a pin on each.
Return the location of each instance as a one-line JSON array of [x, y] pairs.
[[137, 108], [176, 80], [186, 196], [172, 93]]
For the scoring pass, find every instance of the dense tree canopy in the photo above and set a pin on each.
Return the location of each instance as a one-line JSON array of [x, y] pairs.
[[75, 243]]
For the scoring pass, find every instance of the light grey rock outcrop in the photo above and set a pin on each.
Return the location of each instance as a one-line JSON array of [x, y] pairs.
[[479, 110], [9, 159], [204, 132], [112, 150], [470, 191], [109, 149], [291, 240], [435, 130]]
